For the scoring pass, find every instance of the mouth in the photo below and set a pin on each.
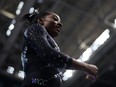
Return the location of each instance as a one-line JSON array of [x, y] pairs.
[[58, 29]]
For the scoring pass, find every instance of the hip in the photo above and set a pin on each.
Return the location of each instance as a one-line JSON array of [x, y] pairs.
[[42, 81]]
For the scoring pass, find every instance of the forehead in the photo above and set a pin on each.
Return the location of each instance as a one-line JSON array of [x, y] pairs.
[[54, 15]]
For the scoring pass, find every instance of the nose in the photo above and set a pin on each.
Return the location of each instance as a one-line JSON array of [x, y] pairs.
[[60, 24]]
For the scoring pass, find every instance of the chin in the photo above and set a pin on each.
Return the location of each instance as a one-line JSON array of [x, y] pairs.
[[55, 34]]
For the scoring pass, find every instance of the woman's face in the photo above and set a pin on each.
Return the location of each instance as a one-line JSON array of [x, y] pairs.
[[52, 23]]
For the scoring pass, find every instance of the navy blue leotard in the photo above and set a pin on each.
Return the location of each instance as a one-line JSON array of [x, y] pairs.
[[42, 59]]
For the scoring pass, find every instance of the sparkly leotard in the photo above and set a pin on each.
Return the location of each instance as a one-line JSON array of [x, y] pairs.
[[42, 59]]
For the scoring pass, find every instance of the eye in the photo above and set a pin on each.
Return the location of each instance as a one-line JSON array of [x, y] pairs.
[[55, 19]]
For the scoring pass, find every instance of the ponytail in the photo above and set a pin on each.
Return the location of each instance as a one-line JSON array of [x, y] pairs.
[[32, 18]]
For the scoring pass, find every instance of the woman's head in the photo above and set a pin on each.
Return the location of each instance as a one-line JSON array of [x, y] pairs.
[[50, 20]]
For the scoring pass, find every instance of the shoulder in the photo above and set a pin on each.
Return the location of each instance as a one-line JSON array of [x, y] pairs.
[[36, 28]]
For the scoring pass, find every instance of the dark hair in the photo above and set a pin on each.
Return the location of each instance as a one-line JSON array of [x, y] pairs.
[[32, 18]]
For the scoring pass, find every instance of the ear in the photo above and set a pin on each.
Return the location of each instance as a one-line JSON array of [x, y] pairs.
[[40, 21]]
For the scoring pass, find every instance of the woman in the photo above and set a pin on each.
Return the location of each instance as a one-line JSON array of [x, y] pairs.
[[42, 58]]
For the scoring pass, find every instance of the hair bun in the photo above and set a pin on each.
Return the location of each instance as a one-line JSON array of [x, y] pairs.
[[30, 16]]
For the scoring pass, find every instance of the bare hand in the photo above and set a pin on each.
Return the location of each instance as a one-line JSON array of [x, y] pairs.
[[92, 72], [90, 69]]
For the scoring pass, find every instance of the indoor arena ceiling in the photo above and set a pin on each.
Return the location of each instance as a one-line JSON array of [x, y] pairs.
[[83, 22]]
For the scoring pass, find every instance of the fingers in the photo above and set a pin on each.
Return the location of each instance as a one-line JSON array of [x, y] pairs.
[[96, 71], [90, 77], [93, 70]]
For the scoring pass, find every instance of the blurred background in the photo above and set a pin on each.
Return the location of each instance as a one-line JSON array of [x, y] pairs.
[[88, 34]]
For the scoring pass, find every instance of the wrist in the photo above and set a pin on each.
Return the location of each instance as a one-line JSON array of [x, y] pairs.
[[79, 65]]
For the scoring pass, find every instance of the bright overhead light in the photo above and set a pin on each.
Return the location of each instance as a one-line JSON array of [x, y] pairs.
[[11, 27], [21, 74], [31, 10], [20, 6], [8, 32], [10, 69]]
